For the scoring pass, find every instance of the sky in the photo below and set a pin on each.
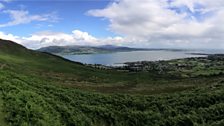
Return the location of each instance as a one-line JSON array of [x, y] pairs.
[[135, 23]]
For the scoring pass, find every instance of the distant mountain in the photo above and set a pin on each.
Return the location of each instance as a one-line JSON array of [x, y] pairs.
[[87, 49]]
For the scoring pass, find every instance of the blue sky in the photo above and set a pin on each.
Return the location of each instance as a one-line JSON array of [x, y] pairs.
[[71, 15], [134, 23]]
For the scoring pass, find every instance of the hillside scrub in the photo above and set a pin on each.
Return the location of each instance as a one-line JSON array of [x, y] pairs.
[[39, 89]]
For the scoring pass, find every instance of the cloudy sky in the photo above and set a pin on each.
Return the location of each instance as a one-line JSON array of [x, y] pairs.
[[134, 23]]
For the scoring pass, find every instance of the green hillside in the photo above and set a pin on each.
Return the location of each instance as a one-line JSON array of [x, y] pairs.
[[40, 89]]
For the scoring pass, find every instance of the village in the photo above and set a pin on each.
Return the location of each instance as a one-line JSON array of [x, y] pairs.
[[212, 64]]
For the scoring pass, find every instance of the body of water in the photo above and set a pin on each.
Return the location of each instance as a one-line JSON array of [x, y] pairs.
[[118, 58]]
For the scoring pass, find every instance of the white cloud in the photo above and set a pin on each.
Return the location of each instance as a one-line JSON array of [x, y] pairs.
[[48, 38], [23, 17], [163, 23], [1, 6], [83, 36], [142, 23], [7, 1], [8, 36]]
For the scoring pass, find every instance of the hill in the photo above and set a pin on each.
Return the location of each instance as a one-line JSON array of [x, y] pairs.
[[86, 49], [40, 89]]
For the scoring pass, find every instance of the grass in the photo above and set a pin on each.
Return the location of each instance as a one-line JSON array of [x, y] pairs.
[[31, 101], [39, 89], [2, 114]]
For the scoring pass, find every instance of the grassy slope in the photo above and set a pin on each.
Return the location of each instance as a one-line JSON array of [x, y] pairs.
[[36, 90], [53, 68], [2, 114]]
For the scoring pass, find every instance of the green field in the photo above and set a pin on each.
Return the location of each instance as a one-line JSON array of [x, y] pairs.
[[39, 89]]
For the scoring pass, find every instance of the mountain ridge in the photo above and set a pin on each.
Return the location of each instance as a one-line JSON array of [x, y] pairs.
[[79, 49]]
